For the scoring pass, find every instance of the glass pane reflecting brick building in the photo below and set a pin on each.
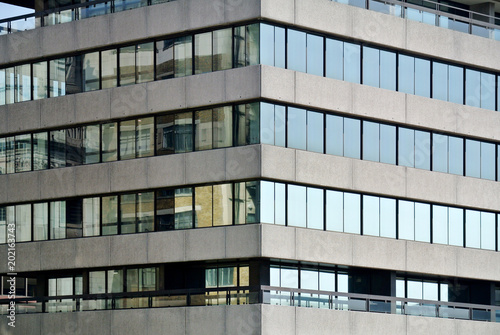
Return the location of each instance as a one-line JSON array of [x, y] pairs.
[[250, 167]]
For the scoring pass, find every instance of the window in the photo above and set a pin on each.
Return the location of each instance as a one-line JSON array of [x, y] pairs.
[[40, 81], [315, 55], [203, 53], [109, 73], [297, 133], [91, 71], [40, 221], [222, 49], [165, 59]]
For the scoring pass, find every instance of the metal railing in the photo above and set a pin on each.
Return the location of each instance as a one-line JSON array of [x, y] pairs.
[[378, 304], [70, 13], [436, 14]]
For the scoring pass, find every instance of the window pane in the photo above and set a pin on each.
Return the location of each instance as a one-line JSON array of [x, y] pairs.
[[23, 153], [40, 221], [296, 128], [164, 59], [422, 222], [334, 59], [388, 217], [109, 68], [203, 206], [128, 213], [266, 44], [91, 71], [387, 144], [165, 134], [97, 282], [23, 223], [183, 56], [145, 137], [439, 153], [296, 206], [252, 44], [371, 215], [184, 208], [371, 67], [115, 281], [487, 231], [74, 226], [315, 55], [2, 87], [109, 143], [267, 201], [406, 147], [127, 139], [456, 84], [127, 65], [472, 88], [110, 215], [487, 161], [90, 144], [371, 141], [352, 213], [57, 148], [267, 123], [472, 229], [10, 148], [145, 211], [439, 224], [183, 132], [279, 202], [144, 63], [440, 81], [422, 150], [472, 158], [456, 155], [406, 219], [247, 123], [252, 202], [388, 70], [456, 226], [91, 217], [335, 211], [57, 220], [3, 156], [40, 81], [165, 204], [430, 291], [422, 77], [406, 74], [315, 208], [335, 135], [487, 91], [40, 151], [10, 79], [289, 277], [296, 50], [222, 205], [74, 144], [352, 138], [279, 125], [23, 83], [203, 53], [352, 63], [203, 129], [222, 40], [315, 130], [279, 47], [223, 127], [73, 75]]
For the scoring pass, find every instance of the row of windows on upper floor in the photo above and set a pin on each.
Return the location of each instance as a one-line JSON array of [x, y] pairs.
[[250, 202], [248, 45], [251, 123]]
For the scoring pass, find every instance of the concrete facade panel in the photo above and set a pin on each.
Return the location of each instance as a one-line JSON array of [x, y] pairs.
[[243, 241], [129, 249], [279, 10], [59, 323], [25, 259], [319, 14], [204, 166], [244, 319], [431, 186], [92, 179], [327, 247], [243, 162], [55, 255], [25, 324], [93, 106], [378, 252], [56, 40], [325, 170], [128, 25], [29, 190], [129, 100], [422, 259], [93, 252], [23, 116], [165, 247], [163, 320], [197, 241], [240, 10], [57, 111], [125, 322], [478, 122], [4, 125], [312, 321], [377, 177], [417, 325], [375, 324], [57, 183], [166, 95], [486, 328], [432, 113], [202, 320], [200, 13], [378, 103], [25, 45], [278, 320], [92, 31], [481, 193], [129, 175], [475, 263], [242, 83], [167, 170], [277, 84], [166, 19], [278, 163], [278, 242], [207, 88]]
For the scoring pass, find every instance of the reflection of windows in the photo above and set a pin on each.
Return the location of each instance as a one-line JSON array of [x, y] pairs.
[[226, 276]]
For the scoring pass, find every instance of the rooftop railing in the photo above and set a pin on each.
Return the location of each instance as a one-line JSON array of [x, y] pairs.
[[70, 13], [436, 14]]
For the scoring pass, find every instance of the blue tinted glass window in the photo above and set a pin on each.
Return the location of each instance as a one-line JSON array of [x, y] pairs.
[[472, 158], [314, 208], [387, 217], [406, 74], [456, 226], [334, 135], [315, 55], [371, 68], [352, 213], [422, 222], [352, 64], [279, 125], [422, 77], [296, 50], [422, 150], [266, 44], [267, 202], [296, 206], [335, 211], [279, 203], [334, 59], [315, 130], [439, 224], [406, 220], [456, 155], [472, 229], [371, 215], [388, 70], [472, 88], [266, 123], [440, 81], [487, 231], [279, 47], [387, 144], [456, 84], [406, 147], [352, 138], [371, 141], [487, 161], [439, 153], [296, 128], [487, 91]]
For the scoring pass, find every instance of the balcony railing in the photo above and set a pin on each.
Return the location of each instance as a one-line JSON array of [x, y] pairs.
[[252, 295], [436, 14], [71, 13]]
